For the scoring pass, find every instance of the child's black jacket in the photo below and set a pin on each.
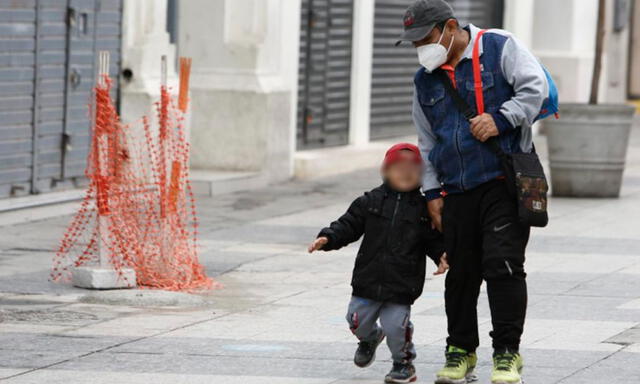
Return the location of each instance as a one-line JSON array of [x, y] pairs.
[[391, 264]]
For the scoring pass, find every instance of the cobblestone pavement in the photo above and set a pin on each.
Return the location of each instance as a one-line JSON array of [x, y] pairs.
[[280, 317]]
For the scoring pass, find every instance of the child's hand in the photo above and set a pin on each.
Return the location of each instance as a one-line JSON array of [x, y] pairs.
[[443, 266], [318, 244]]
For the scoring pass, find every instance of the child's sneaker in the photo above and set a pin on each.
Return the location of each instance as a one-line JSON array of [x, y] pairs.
[[458, 369], [401, 373], [507, 367], [366, 352]]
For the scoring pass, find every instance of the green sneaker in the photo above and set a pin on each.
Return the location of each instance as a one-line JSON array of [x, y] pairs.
[[507, 367], [458, 368]]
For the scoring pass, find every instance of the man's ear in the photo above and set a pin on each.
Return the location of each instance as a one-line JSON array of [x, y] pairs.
[[451, 25]]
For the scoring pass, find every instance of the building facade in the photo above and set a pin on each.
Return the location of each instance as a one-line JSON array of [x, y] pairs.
[[273, 81], [47, 61], [345, 85]]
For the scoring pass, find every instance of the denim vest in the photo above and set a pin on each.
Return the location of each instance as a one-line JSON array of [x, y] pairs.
[[462, 162]]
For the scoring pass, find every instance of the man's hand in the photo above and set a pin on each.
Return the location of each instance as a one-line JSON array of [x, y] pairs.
[[483, 127], [443, 266], [435, 212], [318, 244]]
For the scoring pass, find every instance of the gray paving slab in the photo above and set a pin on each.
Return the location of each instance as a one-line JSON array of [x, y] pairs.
[[622, 286], [267, 233], [214, 365], [581, 244], [34, 282], [25, 360], [280, 318], [620, 367], [580, 308], [551, 283]]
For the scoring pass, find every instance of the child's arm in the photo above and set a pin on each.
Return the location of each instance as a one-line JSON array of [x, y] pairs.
[[347, 229], [443, 265], [435, 250]]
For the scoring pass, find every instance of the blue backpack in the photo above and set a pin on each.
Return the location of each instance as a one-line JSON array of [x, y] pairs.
[[550, 105]]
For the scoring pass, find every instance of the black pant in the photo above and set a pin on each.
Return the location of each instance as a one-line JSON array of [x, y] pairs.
[[484, 240]]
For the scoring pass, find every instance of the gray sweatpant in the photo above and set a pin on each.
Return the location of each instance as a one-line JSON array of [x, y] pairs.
[[363, 315]]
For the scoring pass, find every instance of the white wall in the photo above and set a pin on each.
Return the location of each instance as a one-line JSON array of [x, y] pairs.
[[518, 20], [361, 68], [144, 41], [244, 82], [562, 35]]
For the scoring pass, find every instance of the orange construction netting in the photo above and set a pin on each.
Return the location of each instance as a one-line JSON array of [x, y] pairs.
[[139, 210]]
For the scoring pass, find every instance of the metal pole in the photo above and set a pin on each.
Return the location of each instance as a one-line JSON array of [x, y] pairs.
[[164, 136], [35, 136], [103, 161]]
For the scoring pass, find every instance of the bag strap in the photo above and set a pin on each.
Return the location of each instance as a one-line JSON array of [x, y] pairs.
[[479, 88], [458, 100], [460, 103], [492, 142], [464, 107], [477, 73]]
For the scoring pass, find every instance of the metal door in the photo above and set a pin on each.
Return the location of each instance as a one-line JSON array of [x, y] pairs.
[[394, 67], [47, 51], [634, 52], [324, 73], [17, 62]]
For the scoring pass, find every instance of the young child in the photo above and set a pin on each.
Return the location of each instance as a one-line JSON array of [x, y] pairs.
[[389, 271]]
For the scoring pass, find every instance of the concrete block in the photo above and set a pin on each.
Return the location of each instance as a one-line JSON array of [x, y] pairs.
[[103, 278], [211, 183], [145, 298]]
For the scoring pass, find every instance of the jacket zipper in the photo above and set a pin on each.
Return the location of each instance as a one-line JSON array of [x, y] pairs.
[[395, 210], [393, 221]]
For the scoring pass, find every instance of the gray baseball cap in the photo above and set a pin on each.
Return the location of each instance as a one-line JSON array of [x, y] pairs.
[[422, 16]]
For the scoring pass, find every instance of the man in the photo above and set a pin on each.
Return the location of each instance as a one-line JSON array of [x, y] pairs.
[[463, 179]]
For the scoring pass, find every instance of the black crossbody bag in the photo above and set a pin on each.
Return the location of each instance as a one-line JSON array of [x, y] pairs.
[[523, 172]]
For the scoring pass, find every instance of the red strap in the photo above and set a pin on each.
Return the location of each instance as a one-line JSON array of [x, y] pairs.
[[477, 76]]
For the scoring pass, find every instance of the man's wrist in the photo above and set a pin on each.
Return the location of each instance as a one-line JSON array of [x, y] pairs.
[[501, 122], [433, 194]]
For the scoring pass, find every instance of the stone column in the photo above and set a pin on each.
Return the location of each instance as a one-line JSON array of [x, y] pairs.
[[518, 20], [615, 77], [361, 66], [144, 41], [244, 83]]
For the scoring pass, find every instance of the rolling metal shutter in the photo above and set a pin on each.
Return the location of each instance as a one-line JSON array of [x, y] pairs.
[[47, 51], [17, 60], [394, 67], [324, 73]]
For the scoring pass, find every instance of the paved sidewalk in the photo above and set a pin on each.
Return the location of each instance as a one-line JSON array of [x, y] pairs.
[[280, 318]]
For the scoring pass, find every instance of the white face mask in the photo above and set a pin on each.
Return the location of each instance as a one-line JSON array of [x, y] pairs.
[[432, 56]]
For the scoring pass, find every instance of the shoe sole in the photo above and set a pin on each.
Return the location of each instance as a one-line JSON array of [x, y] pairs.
[[394, 381], [373, 358], [521, 381], [470, 377], [446, 380]]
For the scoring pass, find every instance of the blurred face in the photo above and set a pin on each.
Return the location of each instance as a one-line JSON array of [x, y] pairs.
[[403, 175]]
